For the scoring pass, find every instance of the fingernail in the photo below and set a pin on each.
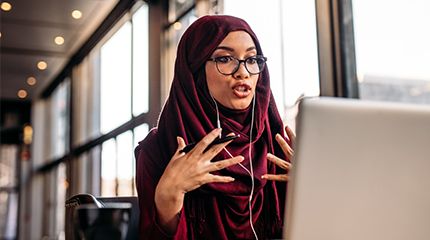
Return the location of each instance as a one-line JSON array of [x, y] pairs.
[[263, 177], [240, 159]]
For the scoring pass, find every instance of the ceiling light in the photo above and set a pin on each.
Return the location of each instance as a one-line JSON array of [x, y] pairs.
[[177, 25], [22, 94], [42, 65], [28, 134], [76, 14], [31, 81], [5, 6], [28, 130], [59, 40], [0, 34]]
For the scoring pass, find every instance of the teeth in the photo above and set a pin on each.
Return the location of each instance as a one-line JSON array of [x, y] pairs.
[[241, 88]]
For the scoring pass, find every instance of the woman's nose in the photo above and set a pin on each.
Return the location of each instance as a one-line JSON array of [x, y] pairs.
[[241, 72]]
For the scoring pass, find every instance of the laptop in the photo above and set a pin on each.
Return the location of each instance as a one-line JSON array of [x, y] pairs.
[[361, 170]]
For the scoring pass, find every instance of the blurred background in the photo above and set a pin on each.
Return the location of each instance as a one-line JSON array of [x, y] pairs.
[[83, 81]]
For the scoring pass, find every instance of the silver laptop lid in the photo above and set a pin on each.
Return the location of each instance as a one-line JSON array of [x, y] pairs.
[[361, 170]]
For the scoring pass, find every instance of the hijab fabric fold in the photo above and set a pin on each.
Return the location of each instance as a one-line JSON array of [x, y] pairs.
[[215, 210]]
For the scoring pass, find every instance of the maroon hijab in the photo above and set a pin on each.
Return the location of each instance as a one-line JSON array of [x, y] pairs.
[[215, 210]]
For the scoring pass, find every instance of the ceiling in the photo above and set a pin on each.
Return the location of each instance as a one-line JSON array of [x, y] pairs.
[[28, 31]]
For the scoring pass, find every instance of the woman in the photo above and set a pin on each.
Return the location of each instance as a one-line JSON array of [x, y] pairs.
[[206, 193]]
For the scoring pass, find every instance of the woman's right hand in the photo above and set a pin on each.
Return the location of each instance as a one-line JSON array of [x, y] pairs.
[[186, 172]]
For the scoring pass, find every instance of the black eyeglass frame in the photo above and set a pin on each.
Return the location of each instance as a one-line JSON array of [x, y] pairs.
[[259, 57]]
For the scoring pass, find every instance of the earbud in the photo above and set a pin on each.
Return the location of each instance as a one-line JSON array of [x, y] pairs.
[[217, 114]]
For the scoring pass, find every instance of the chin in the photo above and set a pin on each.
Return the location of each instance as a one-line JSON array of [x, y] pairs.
[[241, 105]]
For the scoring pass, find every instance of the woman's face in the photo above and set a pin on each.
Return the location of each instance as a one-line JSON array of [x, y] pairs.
[[233, 91]]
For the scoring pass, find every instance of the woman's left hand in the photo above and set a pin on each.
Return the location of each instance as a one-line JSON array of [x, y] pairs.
[[281, 162]]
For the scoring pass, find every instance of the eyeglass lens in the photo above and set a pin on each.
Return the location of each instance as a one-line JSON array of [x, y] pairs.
[[230, 64]]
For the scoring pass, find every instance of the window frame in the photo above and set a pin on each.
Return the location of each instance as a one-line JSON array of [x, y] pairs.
[[336, 48]]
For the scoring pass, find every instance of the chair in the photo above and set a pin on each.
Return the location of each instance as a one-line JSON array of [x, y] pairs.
[[75, 201]]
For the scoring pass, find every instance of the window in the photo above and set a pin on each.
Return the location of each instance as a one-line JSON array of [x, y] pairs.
[[8, 190], [60, 119], [124, 95], [109, 166], [140, 62], [118, 163], [55, 180], [392, 50], [124, 73], [116, 80]]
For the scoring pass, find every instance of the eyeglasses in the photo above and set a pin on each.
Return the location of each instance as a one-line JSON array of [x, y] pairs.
[[227, 65]]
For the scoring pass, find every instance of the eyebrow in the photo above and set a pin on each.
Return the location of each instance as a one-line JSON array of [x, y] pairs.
[[232, 50]]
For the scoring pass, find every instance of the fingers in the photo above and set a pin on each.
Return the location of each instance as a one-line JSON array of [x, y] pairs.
[[280, 177], [278, 161], [200, 157], [181, 143], [220, 179], [213, 149], [208, 139], [284, 145], [215, 166], [281, 163], [290, 134]]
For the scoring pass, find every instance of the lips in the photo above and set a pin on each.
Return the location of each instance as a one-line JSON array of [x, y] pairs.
[[242, 90]]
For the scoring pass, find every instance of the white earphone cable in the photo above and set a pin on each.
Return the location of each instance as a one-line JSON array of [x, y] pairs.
[[251, 168], [251, 171]]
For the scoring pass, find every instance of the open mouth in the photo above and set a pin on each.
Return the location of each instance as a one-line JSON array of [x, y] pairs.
[[242, 90]]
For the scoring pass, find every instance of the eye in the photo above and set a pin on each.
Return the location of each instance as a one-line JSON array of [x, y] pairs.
[[261, 60], [224, 59], [251, 60]]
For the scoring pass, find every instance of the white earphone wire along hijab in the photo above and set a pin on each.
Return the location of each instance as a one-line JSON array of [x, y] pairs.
[[251, 170]]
